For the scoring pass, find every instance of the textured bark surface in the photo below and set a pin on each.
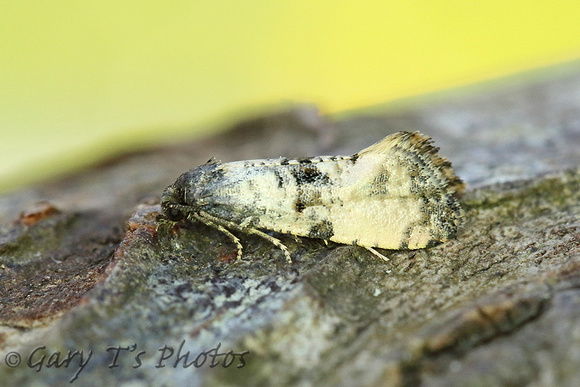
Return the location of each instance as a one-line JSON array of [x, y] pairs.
[[82, 266]]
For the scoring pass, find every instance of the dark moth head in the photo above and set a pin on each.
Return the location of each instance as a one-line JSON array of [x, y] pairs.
[[172, 203], [189, 192]]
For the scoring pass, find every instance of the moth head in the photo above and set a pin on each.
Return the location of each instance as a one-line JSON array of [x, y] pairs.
[[172, 203], [190, 192]]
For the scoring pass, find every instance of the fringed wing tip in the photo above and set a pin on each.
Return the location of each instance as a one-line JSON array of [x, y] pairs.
[[422, 144]]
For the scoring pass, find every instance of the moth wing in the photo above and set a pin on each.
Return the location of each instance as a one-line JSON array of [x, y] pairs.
[[404, 156], [400, 194]]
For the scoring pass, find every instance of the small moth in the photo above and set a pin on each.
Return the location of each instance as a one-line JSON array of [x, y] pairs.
[[396, 194]]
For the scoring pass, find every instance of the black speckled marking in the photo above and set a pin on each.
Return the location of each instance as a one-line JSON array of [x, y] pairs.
[[217, 173], [309, 175], [299, 206], [432, 242], [379, 185], [453, 204], [312, 198], [404, 245], [284, 161], [305, 160], [322, 230], [354, 158], [447, 222], [279, 177]]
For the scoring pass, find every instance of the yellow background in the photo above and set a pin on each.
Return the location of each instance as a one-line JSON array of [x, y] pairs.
[[81, 79]]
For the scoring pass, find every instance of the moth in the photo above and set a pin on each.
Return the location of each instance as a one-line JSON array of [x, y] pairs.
[[396, 194]]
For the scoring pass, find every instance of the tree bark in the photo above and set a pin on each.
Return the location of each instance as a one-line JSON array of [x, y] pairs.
[[83, 266]]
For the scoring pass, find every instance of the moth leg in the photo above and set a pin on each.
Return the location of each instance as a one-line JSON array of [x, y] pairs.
[[224, 230], [271, 239], [162, 226], [375, 252], [249, 230]]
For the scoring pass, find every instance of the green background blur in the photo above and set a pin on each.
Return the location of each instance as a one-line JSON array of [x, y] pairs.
[[83, 80]]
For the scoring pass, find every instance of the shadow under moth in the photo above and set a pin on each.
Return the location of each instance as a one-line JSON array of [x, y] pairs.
[[396, 194]]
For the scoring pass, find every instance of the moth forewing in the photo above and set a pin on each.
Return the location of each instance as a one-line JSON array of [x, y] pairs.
[[395, 194]]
